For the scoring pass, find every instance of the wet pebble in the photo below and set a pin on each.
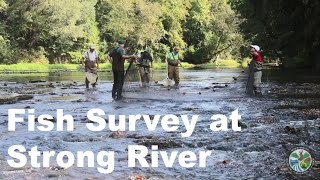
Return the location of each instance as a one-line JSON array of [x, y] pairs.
[[267, 120], [188, 109], [78, 138], [136, 136], [79, 93], [221, 148], [240, 123], [56, 168], [162, 143], [220, 86], [283, 168], [225, 162], [37, 81], [257, 148], [137, 177], [292, 130], [51, 85], [118, 107], [47, 119], [80, 100], [117, 135]]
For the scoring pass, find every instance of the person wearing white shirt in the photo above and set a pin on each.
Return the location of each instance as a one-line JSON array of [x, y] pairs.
[[91, 63]]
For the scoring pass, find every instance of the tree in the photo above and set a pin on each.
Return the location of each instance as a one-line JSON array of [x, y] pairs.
[[5, 53], [211, 29], [52, 27], [134, 20], [285, 29]]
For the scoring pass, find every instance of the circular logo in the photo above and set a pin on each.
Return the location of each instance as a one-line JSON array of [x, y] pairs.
[[300, 160]]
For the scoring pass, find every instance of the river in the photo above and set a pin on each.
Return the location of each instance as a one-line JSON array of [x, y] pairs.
[[285, 117]]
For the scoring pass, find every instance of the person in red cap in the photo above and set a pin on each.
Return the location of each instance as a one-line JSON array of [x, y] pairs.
[[255, 68]]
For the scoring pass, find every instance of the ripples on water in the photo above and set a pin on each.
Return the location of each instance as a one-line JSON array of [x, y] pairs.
[[260, 150]]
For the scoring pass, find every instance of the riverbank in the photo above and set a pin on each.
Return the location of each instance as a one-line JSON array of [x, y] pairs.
[[45, 68]]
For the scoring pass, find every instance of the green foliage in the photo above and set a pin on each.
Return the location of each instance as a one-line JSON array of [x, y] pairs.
[[5, 53], [32, 56], [60, 31], [284, 29], [3, 5], [159, 52], [75, 57], [55, 26], [174, 12], [129, 19], [5, 50], [227, 62], [245, 62], [210, 30]]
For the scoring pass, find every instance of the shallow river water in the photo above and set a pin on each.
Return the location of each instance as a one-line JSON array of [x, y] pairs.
[[286, 117]]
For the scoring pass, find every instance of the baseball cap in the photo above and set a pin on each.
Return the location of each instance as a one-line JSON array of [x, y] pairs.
[[122, 41], [91, 47], [256, 47]]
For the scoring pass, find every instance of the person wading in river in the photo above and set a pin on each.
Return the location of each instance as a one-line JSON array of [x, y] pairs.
[[173, 60], [91, 64], [118, 56], [145, 65], [255, 68]]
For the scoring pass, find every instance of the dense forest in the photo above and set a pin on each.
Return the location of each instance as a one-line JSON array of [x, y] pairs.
[[286, 30], [59, 31]]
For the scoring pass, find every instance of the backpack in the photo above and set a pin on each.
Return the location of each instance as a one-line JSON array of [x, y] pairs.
[[146, 60], [114, 53]]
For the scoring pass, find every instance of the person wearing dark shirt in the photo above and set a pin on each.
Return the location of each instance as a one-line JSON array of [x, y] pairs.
[[118, 56]]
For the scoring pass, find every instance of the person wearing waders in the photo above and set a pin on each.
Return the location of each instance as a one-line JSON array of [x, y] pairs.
[[145, 65], [118, 56], [91, 65], [255, 68], [173, 60]]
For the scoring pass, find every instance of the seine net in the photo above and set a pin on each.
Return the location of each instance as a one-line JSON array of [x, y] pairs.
[[132, 80], [249, 85]]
